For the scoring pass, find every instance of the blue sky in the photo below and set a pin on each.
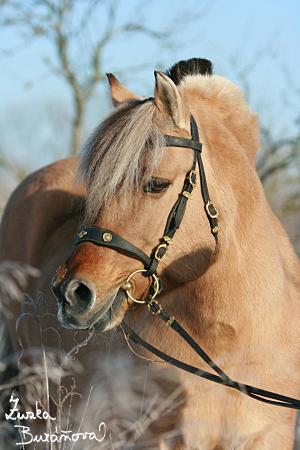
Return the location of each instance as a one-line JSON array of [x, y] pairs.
[[231, 30]]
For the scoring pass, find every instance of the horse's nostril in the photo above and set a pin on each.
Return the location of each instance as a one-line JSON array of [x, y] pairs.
[[79, 294]]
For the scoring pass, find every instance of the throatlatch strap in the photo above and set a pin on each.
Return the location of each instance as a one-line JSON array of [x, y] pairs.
[[209, 207]]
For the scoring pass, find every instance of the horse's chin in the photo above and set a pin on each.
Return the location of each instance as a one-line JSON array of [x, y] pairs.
[[107, 319]]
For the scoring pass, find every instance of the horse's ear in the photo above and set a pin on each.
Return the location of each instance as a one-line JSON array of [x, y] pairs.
[[118, 92], [169, 101]]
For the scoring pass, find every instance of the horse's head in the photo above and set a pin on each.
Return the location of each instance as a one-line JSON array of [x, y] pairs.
[[133, 180]]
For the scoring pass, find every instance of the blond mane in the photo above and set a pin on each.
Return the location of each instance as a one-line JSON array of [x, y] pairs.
[[113, 160]]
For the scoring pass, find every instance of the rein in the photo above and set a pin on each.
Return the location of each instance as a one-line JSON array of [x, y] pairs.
[[109, 239]]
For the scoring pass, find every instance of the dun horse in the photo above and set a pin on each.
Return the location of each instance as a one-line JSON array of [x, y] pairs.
[[235, 288]]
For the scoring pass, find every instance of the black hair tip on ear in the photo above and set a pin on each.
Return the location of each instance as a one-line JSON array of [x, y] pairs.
[[158, 73], [193, 66]]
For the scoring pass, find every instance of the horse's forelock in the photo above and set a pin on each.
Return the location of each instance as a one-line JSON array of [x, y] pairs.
[[113, 160]]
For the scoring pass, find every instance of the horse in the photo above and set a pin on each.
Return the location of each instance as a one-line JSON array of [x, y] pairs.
[[234, 288]]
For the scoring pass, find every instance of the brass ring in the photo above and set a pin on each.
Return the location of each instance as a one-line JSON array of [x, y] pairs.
[[155, 285]]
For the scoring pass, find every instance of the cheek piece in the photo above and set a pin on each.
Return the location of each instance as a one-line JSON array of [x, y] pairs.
[[109, 239]]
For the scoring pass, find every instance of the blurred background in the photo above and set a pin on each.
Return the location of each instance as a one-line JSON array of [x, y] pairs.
[[54, 55]]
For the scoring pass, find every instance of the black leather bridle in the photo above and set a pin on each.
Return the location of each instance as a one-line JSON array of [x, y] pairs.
[[109, 239]]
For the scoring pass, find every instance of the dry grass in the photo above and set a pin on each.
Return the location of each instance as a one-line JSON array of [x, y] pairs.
[[13, 279], [121, 393]]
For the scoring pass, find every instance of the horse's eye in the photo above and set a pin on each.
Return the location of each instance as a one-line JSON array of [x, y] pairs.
[[156, 185]]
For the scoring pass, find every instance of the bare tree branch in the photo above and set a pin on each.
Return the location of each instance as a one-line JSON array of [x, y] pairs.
[[17, 171], [61, 23]]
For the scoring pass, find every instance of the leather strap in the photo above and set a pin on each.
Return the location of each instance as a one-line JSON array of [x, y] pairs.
[[100, 236], [174, 141], [258, 394], [262, 395], [196, 145], [177, 212], [209, 207], [173, 221]]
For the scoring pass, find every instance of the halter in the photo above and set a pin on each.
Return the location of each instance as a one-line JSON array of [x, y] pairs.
[[107, 238]]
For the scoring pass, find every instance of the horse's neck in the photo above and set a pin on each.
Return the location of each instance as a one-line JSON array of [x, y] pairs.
[[243, 294], [245, 284]]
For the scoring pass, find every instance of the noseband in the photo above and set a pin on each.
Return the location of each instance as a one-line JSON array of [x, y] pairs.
[[109, 239]]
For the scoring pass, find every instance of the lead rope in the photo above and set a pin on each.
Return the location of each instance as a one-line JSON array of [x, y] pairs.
[[221, 378]]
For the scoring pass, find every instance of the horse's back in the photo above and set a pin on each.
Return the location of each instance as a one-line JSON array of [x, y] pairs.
[[42, 203], [39, 223], [38, 228]]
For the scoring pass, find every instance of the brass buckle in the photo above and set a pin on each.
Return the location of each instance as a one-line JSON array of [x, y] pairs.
[[192, 173], [156, 255], [168, 240], [127, 286], [154, 302], [170, 321], [212, 215], [187, 194]]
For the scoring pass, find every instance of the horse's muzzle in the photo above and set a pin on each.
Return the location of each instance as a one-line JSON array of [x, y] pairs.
[[76, 306]]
